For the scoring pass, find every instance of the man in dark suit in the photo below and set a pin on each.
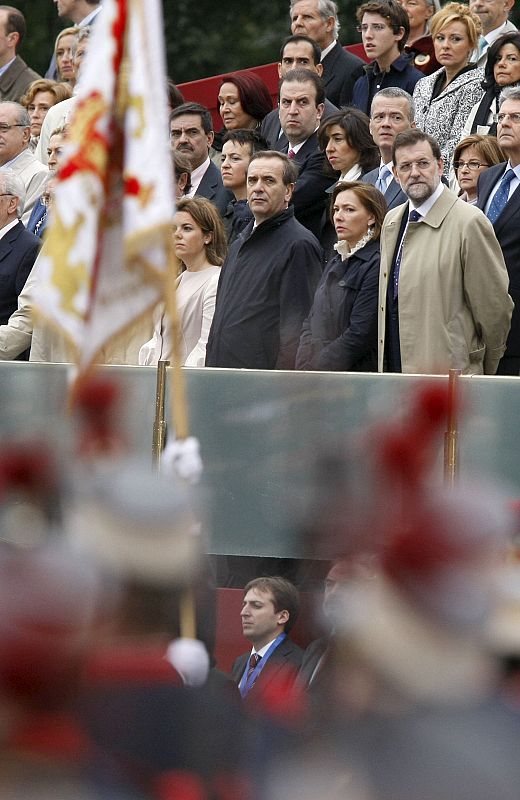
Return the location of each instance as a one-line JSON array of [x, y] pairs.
[[302, 100], [15, 76], [392, 112], [318, 19], [191, 133], [18, 247], [268, 613], [298, 52], [499, 198]]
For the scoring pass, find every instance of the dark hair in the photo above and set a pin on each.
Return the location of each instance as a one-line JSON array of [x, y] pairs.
[[494, 52], [181, 166], [305, 76], [175, 96], [300, 37], [197, 110], [209, 220], [356, 127], [371, 198], [486, 146], [247, 136], [393, 12], [15, 23], [414, 136], [285, 596], [290, 168], [255, 97]]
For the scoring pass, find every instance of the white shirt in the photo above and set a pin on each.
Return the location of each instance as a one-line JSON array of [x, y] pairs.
[[263, 650], [196, 177], [6, 67], [8, 227], [328, 49], [296, 147], [513, 184]]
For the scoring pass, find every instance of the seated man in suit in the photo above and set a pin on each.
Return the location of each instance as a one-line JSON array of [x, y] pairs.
[[392, 112], [15, 133], [268, 613], [298, 52], [499, 198], [191, 133], [18, 247], [302, 100], [318, 19]]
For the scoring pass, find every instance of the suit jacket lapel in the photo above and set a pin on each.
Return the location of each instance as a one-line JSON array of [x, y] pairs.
[[7, 241]]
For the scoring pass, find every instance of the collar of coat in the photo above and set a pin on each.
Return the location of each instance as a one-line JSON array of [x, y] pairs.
[[399, 65], [435, 216]]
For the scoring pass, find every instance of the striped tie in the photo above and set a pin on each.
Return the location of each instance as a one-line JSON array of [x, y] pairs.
[[501, 197]]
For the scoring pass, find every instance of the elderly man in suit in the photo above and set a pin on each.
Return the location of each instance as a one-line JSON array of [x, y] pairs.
[[493, 15], [391, 113], [15, 133], [499, 198], [302, 99], [269, 611], [297, 52], [15, 75], [191, 133], [18, 247], [318, 19], [443, 282]]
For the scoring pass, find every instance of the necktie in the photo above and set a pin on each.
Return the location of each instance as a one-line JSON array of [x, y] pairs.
[[482, 45], [291, 153], [414, 216], [253, 661], [382, 181], [499, 201]]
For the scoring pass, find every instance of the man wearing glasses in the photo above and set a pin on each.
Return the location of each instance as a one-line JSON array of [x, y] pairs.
[[15, 133], [499, 198], [384, 28], [443, 300]]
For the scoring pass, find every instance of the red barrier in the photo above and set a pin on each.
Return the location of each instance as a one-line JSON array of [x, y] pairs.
[[205, 90]]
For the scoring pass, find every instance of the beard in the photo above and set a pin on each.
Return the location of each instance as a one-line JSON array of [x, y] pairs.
[[420, 191]]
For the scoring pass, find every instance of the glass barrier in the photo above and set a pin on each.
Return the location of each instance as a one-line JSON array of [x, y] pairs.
[[261, 433]]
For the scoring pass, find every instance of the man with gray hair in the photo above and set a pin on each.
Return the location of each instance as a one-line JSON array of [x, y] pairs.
[[15, 133], [392, 112], [318, 19], [494, 16], [18, 247], [499, 198]]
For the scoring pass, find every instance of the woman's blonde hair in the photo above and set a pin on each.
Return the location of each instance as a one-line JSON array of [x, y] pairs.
[[457, 12]]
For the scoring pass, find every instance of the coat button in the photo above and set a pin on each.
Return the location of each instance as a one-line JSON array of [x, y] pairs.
[[384, 274], [342, 283]]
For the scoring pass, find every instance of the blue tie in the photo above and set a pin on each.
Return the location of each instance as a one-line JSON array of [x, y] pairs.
[[499, 201], [384, 174], [413, 216]]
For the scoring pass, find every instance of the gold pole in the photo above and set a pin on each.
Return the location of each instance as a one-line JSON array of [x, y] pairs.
[[159, 423], [451, 444]]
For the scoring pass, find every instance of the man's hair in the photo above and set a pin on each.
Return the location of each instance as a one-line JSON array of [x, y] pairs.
[[513, 37], [370, 198], [290, 168], [197, 110], [395, 93], [356, 128], [394, 14], [15, 23], [13, 184], [181, 166], [509, 93], [326, 9], [305, 76], [247, 136], [414, 136], [60, 91], [285, 596], [457, 12], [300, 37], [22, 115]]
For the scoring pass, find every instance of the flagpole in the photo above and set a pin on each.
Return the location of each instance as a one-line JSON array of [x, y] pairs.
[[451, 444], [159, 425]]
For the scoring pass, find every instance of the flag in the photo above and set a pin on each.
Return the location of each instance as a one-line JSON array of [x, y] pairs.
[[107, 250]]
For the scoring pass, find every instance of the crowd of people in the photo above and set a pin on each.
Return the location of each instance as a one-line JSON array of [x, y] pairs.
[[315, 270]]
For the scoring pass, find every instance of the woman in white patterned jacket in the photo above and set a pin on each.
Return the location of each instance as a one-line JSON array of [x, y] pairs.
[[444, 99]]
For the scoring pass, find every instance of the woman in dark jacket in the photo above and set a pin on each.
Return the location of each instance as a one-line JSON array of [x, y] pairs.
[[340, 333]]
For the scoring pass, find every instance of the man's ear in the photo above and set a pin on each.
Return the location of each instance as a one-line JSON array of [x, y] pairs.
[[210, 136], [283, 617], [319, 69]]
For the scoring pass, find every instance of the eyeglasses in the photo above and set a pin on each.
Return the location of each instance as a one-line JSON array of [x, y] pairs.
[[500, 118], [4, 127], [377, 27], [423, 164], [473, 166]]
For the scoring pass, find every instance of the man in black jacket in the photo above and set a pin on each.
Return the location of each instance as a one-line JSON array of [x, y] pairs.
[[268, 280]]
